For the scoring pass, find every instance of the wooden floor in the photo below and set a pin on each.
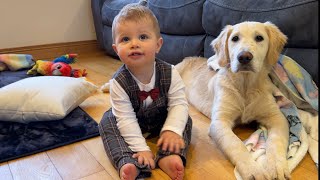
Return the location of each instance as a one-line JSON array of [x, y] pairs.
[[87, 159]]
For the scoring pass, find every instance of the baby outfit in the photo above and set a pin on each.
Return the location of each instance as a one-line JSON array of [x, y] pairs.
[[150, 119]]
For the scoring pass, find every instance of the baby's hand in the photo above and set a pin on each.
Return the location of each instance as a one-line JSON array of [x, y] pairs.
[[145, 158], [170, 141]]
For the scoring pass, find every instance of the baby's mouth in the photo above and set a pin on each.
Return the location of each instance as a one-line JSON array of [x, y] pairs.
[[136, 54]]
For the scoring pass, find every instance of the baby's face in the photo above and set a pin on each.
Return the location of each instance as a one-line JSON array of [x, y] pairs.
[[136, 43]]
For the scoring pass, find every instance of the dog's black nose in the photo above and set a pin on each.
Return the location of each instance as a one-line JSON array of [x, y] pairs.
[[244, 57]]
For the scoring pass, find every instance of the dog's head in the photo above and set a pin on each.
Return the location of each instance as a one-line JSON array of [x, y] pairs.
[[248, 46]]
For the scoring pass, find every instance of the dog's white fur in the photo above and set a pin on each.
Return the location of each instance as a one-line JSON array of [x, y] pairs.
[[240, 93]]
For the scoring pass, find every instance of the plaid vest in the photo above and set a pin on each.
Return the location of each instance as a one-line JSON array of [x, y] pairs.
[[152, 118]]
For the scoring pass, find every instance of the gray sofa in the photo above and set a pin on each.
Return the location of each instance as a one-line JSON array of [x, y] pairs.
[[188, 26]]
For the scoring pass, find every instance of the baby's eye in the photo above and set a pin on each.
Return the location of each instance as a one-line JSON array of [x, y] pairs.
[[124, 39], [143, 37], [235, 38], [259, 38]]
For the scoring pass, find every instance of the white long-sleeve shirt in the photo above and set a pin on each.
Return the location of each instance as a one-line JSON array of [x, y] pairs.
[[126, 117]]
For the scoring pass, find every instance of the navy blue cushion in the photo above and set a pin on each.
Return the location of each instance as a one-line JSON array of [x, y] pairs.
[[175, 48], [182, 17], [111, 8], [298, 19], [208, 51], [107, 43]]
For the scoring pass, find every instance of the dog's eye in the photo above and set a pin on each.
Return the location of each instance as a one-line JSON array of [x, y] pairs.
[[235, 38], [259, 38]]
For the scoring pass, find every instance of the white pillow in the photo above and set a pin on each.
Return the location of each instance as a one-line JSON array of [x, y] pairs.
[[43, 98]]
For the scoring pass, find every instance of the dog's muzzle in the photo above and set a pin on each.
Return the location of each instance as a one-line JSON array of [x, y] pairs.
[[244, 59]]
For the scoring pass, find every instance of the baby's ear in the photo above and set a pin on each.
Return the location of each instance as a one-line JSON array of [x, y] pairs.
[[220, 46], [114, 47], [277, 40], [159, 44]]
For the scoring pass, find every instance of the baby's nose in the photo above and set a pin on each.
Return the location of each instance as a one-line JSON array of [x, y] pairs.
[[135, 43]]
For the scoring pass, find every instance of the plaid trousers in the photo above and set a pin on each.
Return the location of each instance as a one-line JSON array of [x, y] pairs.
[[120, 154]]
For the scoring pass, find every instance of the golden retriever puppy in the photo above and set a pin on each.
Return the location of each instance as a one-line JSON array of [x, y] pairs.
[[241, 92]]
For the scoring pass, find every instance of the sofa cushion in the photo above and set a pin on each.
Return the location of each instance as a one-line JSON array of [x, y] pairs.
[[175, 48], [307, 58], [111, 8], [298, 19], [208, 50], [182, 17], [107, 43]]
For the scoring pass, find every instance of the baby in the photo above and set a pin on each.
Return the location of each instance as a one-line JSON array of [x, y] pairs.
[[148, 100]]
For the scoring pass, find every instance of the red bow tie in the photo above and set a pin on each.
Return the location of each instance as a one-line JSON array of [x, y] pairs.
[[153, 93]]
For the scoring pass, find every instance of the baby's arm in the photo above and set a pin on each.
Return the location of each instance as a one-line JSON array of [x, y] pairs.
[[171, 141], [171, 133], [127, 122], [128, 125]]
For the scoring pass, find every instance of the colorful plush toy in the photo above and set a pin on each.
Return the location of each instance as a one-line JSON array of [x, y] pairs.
[[78, 73], [15, 62], [58, 67]]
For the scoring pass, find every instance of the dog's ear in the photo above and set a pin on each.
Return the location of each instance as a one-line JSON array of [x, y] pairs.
[[277, 41], [220, 46]]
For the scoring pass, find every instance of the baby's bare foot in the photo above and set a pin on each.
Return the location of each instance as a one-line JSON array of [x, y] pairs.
[[128, 172], [172, 165]]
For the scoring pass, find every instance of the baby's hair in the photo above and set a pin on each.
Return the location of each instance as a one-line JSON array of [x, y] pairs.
[[135, 12]]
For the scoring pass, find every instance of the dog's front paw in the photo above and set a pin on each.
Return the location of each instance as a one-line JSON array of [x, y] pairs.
[[277, 167], [251, 170]]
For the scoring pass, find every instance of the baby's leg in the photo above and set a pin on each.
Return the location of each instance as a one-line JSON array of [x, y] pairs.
[[118, 151], [172, 165], [129, 172]]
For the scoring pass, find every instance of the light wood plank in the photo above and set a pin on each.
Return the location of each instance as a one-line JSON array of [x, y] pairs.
[[100, 68], [196, 173], [95, 147], [34, 167], [158, 174], [5, 172], [306, 170], [74, 161], [102, 175], [96, 105]]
